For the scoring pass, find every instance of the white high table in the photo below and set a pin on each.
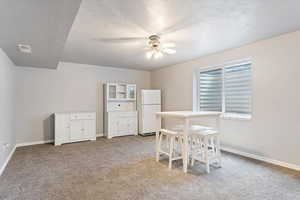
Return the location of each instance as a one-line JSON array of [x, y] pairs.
[[187, 117]]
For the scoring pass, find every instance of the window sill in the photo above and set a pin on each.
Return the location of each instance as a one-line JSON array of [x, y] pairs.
[[232, 116]]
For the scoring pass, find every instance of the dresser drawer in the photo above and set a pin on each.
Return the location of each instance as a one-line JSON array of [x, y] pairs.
[[80, 116]]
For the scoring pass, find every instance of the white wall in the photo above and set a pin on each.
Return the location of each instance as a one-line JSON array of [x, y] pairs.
[[274, 131], [7, 133], [72, 87]]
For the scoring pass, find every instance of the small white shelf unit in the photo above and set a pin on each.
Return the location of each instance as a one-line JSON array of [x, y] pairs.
[[120, 110]]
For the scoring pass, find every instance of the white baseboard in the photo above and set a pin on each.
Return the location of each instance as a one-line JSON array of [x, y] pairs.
[[34, 143], [7, 160], [262, 158], [45, 141]]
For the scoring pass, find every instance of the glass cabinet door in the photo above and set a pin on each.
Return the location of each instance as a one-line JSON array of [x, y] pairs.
[[122, 91], [112, 91], [131, 91]]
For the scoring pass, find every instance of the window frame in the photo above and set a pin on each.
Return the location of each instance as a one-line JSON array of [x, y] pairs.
[[196, 88]]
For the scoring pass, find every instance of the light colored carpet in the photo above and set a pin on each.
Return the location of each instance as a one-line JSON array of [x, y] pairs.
[[124, 168]]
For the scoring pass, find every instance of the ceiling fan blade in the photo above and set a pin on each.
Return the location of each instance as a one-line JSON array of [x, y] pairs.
[[120, 39], [147, 48], [185, 23], [169, 51], [168, 45]]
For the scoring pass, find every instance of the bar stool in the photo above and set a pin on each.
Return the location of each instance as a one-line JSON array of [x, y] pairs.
[[194, 129], [171, 137], [206, 147]]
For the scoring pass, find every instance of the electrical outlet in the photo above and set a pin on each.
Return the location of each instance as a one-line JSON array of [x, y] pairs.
[[5, 145]]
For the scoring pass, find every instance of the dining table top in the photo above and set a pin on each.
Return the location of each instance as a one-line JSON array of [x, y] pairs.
[[187, 114]]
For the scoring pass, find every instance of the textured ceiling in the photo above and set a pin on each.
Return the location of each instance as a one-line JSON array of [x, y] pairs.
[[43, 24], [198, 27]]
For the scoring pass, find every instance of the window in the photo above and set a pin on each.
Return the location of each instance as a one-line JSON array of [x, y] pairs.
[[225, 89], [237, 89], [211, 90]]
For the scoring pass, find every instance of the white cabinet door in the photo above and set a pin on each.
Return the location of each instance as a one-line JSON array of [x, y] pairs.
[[133, 125], [76, 129], [151, 97], [123, 126], [88, 129], [149, 117], [62, 128], [113, 123]]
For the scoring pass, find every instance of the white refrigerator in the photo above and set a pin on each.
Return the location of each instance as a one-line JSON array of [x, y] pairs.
[[150, 104]]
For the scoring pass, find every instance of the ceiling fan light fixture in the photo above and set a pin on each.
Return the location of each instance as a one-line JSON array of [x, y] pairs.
[[157, 48], [158, 55], [149, 54]]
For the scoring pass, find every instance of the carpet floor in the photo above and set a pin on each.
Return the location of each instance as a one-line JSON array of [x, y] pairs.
[[125, 168]]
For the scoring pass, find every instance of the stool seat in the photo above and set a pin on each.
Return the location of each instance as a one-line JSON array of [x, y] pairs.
[[201, 128], [202, 133], [170, 132], [179, 128]]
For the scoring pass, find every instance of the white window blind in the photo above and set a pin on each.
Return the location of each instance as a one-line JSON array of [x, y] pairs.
[[237, 85], [226, 89], [210, 90]]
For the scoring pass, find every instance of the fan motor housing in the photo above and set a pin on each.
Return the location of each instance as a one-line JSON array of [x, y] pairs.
[[154, 41]]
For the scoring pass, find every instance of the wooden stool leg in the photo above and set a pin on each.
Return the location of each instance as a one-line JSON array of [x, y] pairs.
[[181, 146], [206, 158], [193, 145], [218, 149], [171, 148], [159, 147]]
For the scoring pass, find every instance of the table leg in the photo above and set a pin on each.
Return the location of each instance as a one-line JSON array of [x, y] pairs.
[[158, 124], [185, 144]]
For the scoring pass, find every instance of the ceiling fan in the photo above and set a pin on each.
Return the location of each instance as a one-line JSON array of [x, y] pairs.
[[158, 49], [155, 48]]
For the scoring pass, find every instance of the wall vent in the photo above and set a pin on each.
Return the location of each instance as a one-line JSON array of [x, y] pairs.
[[24, 48]]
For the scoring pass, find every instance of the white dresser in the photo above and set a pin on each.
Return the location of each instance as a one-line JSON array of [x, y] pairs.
[[120, 113], [74, 127]]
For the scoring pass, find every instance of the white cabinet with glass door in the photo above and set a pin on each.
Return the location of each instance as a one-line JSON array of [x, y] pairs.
[[120, 112], [120, 92]]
